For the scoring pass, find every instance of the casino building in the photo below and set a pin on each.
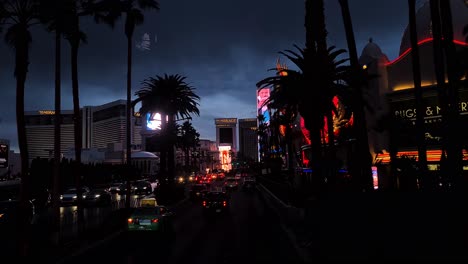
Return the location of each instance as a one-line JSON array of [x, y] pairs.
[[248, 139], [102, 126], [392, 92]]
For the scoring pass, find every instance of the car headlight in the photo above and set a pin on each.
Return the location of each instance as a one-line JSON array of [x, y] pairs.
[[84, 196], [144, 188], [97, 195], [61, 197], [74, 197]]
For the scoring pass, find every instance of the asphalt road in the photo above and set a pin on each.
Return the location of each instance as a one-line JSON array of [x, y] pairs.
[[249, 233]]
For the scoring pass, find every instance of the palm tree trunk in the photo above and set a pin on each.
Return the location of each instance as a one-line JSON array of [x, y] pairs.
[[77, 129], [128, 118], [57, 139], [21, 70], [187, 160], [331, 152], [364, 162], [310, 120], [419, 101], [171, 150], [455, 154], [439, 68]]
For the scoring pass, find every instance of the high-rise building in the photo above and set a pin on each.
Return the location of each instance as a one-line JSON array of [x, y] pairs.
[[101, 125], [248, 139], [226, 140]]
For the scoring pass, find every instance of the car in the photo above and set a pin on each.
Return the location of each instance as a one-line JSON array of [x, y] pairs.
[[248, 184], [231, 184], [115, 187], [151, 219], [98, 197], [143, 187], [197, 191], [70, 195], [9, 213], [216, 202], [123, 189]]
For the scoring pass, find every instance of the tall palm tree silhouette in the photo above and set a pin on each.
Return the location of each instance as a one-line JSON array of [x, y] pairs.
[[19, 17], [362, 169], [133, 11], [418, 95], [54, 15]]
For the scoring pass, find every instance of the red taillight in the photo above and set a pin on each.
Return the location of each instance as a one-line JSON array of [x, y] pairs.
[[155, 220], [130, 221], [204, 203], [224, 203]]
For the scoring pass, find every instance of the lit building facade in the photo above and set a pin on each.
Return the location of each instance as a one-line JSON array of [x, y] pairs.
[[392, 93], [248, 139], [226, 140], [101, 125]]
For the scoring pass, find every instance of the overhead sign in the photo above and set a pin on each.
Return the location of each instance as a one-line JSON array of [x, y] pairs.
[[226, 121], [4, 150]]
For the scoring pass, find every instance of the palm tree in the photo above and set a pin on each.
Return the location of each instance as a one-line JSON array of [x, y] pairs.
[[133, 10], [455, 154], [362, 168], [418, 95], [172, 96], [74, 36], [439, 69], [54, 15], [292, 85], [19, 17], [188, 139]]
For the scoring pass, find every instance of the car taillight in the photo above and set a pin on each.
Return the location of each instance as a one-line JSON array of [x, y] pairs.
[[130, 221], [224, 203], [155, 220], [204, 203]]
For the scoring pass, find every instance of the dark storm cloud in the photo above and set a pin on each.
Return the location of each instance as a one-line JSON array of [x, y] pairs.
[[223, 47]]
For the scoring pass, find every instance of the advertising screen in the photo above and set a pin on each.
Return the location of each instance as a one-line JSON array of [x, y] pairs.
[[153, 121], [263, 95], [4, 155]]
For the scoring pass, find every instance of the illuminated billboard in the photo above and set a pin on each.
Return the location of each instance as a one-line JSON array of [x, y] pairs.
[[153, 121], [225, 157], [4, 149], [262, 96]]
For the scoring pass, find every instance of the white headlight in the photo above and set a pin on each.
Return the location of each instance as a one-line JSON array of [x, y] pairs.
[[97, 195]]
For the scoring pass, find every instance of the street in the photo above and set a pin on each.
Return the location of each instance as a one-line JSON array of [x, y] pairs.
[[250, 232]]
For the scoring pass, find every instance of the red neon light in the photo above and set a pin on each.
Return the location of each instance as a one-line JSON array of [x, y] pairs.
[[420, 43]]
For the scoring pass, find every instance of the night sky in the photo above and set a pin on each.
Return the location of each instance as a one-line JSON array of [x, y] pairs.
[[223, 47]]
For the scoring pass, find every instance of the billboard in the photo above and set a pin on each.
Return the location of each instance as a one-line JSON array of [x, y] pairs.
[[4, 149], [225, 157], [262, 96], [153, 121]]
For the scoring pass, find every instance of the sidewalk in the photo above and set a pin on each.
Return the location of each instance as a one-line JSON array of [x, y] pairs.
[[377, 226]]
